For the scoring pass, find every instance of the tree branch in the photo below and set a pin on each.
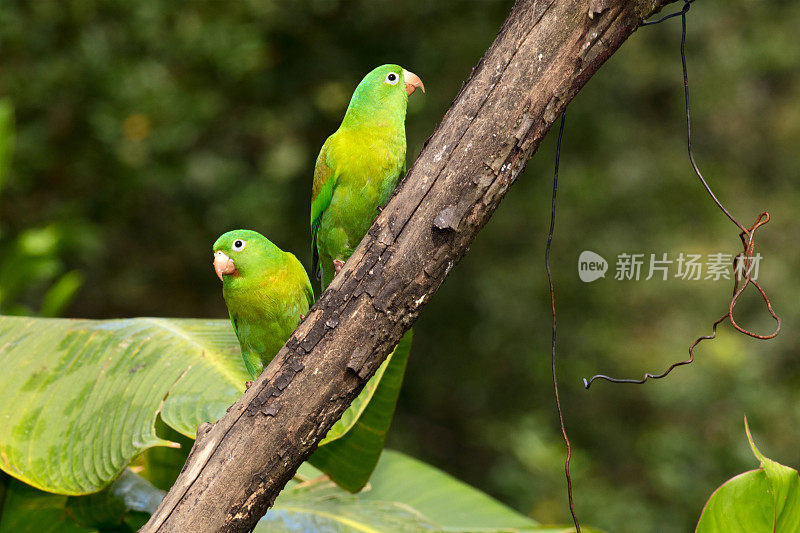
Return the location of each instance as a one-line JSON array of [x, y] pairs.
[[544, 53]]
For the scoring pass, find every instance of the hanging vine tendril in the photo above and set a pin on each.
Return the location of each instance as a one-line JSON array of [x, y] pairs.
[[743, 262], [553, 341]]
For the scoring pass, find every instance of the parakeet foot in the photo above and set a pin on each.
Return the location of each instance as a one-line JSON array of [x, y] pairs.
[[337, 266], [302, 317], [248, 384], [313, 481]]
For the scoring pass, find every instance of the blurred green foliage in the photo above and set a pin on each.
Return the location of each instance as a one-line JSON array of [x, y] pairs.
[[146, 129], [30, 263]]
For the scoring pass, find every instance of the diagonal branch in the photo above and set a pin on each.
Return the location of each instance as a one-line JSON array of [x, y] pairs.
[[544, 53]]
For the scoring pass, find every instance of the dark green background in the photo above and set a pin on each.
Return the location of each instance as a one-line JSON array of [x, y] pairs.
[[146, 129]]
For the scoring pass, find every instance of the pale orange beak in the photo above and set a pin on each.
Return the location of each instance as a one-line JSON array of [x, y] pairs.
[[223, 265], [412, 81]]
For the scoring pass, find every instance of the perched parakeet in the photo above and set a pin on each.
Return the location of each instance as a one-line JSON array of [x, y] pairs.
[[267, 292], [359, 166]]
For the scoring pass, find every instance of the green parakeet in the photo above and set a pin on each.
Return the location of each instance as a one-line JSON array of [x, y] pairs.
[[267, 292], [359, 166]]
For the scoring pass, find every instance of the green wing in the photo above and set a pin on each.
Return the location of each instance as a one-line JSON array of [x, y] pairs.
[[302, 278], [321, 194], [233, 323], [252, 361], [309, 295]]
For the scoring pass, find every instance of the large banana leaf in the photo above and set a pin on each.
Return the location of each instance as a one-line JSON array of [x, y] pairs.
[[403, 495], [353, 445], [80, 397]]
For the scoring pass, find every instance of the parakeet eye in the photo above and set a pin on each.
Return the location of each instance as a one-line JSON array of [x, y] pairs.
[[238, 245], [392, 78]]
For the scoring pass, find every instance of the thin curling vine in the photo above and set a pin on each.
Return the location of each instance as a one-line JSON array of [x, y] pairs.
[[743, 262]]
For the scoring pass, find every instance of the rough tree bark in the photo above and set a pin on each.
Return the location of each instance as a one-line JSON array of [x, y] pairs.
[[544, 53]]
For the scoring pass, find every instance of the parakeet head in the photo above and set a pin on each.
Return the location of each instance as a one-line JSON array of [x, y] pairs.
[[382, 94], [240, 253]]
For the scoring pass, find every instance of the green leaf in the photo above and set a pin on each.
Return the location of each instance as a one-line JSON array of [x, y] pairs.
[[81, 396], [767, 499], [127, 500], [403, 495], [354, 444], [27, 510], [109, 507]]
